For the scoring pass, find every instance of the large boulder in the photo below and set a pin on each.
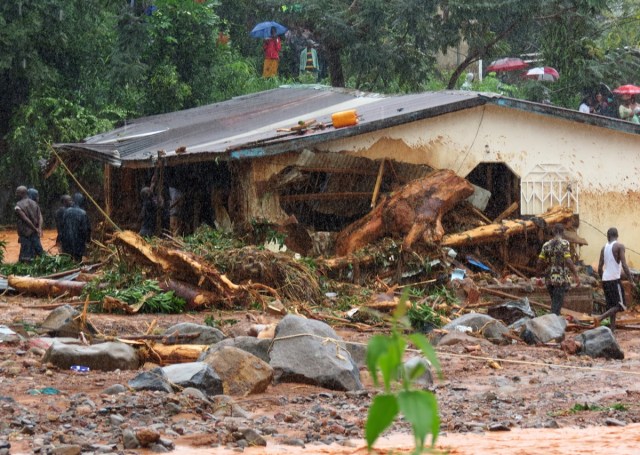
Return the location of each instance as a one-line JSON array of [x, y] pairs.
[[198, 375], [256, 346], [104, 356], [241, 373], [544, 329], [206, 334], [311, 352], [490, 328], [599, 342], [64, 322]]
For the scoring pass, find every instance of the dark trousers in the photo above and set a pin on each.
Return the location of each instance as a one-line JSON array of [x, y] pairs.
[[557, 297], [30, 247], [614, 295]]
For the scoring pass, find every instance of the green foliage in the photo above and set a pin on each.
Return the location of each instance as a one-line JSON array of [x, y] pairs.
[[132, 288], [420, 408], [41, 266], [578, 407]]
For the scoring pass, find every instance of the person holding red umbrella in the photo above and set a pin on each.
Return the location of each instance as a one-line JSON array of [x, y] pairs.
[[627, 109]]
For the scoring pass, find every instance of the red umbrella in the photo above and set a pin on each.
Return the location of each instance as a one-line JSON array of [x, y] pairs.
[[628, 89], [543, 73], [507, 64]]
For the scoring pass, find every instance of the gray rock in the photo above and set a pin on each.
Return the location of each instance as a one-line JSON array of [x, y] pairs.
[[208, 335], [358, 353], [599, 342], [225, 406], [116, 420], [242, 373], [198, 375], [8, 336], [114, 389], [455, 337], [253, 438], [63, 322], [256, 346], [510, 312], [192, 392], [155, 379], [490, 328], [311, 352], [544, 329], [611, 422], [104, 356], [414, 365], [129, 440]]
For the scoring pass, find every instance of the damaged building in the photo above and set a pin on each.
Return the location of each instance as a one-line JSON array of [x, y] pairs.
[[276, 157]]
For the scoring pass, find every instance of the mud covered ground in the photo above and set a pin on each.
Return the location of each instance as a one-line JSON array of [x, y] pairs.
[[537, 400]]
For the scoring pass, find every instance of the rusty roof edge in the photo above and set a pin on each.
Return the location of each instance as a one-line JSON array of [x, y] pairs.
[[112, 157], [564, 113], [282, 146]]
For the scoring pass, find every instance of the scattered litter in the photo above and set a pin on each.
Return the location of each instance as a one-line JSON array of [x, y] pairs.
[[79, 369], [44, 391]]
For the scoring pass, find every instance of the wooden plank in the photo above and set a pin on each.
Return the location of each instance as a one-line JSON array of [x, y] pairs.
[[323, 196], [376, 188], [337, 170], [512, 208]]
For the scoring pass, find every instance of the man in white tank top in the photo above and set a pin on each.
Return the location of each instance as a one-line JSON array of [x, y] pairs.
[[612, 262]]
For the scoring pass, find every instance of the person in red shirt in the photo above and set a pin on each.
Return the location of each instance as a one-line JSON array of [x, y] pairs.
[[271, 47]]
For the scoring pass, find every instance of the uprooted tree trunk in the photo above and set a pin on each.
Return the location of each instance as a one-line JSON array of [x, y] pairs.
[[413, 212], [507, 228], [201, 284], [45, 287]]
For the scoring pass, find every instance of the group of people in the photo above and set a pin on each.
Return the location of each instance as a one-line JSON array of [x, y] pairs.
[[555, 261], [625, 108], [72, 223]]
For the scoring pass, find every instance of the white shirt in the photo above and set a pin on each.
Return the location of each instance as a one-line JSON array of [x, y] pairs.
[[584, 108], [612, 268]]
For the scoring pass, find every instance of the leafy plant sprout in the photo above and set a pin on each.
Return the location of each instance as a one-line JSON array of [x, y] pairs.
[[419, 407]]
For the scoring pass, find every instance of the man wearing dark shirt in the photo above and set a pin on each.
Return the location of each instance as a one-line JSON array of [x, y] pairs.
[[66, 202], [29, 226], [76, 230]]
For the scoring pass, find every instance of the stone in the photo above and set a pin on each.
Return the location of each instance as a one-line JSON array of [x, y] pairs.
[[198, 375], [108, 356], [253, 438], [599, 342], [129, 439], [225, 406], [241, 373], [8, 336], [455, 337], [155, 379], [147, 436], [490, 328], [424, 380], [311, 352], [208, 335], [63, 321], [544, 329], [511, 311], [256, 346], [114, 389]]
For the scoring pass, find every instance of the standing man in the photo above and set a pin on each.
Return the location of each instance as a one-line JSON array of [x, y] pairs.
[[554, 260], [65, 203], [76, 229], [612, 262], [29, 226], [271, 47]]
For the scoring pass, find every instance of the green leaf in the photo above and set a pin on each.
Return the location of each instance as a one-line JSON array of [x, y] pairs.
[[423, 344], [383, 410], [378, 345], [401, 309], [420, 408]]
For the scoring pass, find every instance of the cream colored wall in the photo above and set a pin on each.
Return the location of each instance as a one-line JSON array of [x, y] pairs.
[[605, 162]]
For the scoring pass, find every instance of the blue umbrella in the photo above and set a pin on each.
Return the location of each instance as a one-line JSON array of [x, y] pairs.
[[263, 30]]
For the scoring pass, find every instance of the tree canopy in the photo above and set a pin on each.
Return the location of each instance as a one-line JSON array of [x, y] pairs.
[[72, 68]]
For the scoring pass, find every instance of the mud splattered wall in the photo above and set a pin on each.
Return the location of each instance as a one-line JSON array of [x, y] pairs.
[[606, 163]]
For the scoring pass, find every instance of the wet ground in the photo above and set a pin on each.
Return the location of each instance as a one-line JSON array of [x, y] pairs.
[[531, 400]]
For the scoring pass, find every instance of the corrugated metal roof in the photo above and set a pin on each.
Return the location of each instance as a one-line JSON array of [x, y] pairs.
[[246, 126]]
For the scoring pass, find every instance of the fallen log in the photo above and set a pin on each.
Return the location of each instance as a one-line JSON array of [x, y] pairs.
[[140, 247], [414, 212], [501, 231], [176, 353], [45, 287], [195, 297]]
